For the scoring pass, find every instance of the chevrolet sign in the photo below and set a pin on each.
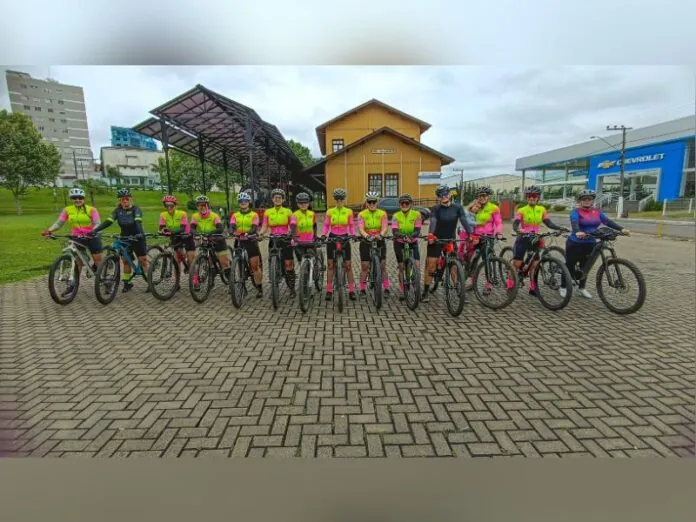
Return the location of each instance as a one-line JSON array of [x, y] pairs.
[[607, 164]]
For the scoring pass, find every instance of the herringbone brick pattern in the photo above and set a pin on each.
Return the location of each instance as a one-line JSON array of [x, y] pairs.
[[141, 378]]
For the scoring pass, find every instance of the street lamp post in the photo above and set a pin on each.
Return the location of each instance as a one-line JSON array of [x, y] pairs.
[[622, 156]]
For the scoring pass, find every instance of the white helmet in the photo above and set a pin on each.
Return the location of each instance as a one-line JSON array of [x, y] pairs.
[[76, 193], [371, 196]]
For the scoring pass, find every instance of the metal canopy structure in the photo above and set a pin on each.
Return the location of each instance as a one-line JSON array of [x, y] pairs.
[[218, 130]]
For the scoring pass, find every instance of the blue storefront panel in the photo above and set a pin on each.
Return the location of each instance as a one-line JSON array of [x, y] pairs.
[[668, 157]]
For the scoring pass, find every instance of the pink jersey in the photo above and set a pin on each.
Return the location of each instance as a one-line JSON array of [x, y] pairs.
[[81, 223], [339, 222], [488, 221]]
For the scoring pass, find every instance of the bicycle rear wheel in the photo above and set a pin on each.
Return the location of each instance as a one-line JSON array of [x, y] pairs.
[[275, 278], [163, 267], [64, 268], [319, 270], [339, 283], [200, 278], [107, 279], [455, 293], [616, 275], [506, 254], [412, 286], [502, 276], [376, 280], [550, 273], [238, 282], [305, 293]]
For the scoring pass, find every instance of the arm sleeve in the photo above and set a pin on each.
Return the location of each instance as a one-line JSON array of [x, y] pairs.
[[96, 219], [385, 224], [464, 220], [193, 225], [185, 224], [608, 222], [327, 225], [292, 224], [574, 222], [516, 225], [550, 224], [218, 224], [351, 224], [433, 221], [497, 222], [232, 224], [62, 218]]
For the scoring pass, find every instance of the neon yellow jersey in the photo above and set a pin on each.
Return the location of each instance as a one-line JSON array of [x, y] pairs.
[[206, 225], [244, 221], [372, 220], [531, 217], [178, 222], [406, 222], [305, 221], [81, 220], [277, 217]]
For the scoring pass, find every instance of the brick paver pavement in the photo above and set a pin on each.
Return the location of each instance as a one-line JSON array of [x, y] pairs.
[[142, 378]]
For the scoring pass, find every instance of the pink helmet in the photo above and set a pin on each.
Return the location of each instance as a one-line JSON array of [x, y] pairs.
[[169, 199]]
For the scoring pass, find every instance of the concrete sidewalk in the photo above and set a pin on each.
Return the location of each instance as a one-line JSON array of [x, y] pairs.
[[654, 227]]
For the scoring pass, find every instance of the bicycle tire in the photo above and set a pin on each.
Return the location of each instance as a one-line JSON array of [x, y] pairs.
[[642, 292], [237, 282], [556, 250], [100, 275], [319, 270], [503, 254], [166, 258], [205, 287], [339, 283], [376, 279], [548, 259], [454, 310], [275, 282], [511, 292], [52, 276], [411, 285], [305, 293]]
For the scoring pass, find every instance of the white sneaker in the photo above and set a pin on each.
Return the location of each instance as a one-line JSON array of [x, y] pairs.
[[585, 293], [563, 292]]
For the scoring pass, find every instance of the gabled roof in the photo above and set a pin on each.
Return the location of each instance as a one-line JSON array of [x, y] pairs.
[[446, 160], [321, 129]]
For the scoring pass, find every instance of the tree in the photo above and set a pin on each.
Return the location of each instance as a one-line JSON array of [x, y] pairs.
[[185, 171], [114, 173], [25, 159], [303, 153], [94, 187]]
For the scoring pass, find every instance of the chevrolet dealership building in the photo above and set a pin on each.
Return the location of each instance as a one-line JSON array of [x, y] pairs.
[[659, 160]]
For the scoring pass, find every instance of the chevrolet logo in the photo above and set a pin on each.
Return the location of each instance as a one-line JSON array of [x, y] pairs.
[[607, 164]]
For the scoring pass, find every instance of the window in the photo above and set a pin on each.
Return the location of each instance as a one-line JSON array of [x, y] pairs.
[[61, 102], [27, 107], [41, 128], [46, 89], [48, 101], [65, 131], [374, 183], [391, 185], [49, 110], [336, 144], [691, 160], [63, 120], [52, 120], [24, 86]]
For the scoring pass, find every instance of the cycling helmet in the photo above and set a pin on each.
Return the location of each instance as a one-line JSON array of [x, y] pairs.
[[372, 196], [302, 197], [587, 194], [243, 196], [483, 190], [169, 199], [77, 193], [442, 190], [532, 190], [202, 199], [405, 197], [123, 193], [339, 193], [278, 192]]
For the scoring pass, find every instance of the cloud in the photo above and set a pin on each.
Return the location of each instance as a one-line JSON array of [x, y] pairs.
[[485, 117]]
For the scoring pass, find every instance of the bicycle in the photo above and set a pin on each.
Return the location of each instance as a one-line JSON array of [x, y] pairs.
[[454, 284], [241, 270], [72, 256], [312, 268], [205, 267], [108, 274], [165, 263], [374, 273], [497, 272], [604, 249], [411, 278], [339, 275], [547, 265], [275, 265]]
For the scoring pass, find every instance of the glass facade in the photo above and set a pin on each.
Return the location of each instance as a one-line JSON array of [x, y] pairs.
[[124, 137]]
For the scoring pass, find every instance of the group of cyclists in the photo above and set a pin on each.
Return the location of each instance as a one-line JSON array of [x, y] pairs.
[[447, 220]]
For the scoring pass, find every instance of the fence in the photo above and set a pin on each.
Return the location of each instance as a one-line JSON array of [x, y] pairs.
[[681, 206]]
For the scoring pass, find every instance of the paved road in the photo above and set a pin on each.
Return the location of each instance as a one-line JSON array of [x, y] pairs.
[[674, 229], [141, 378]]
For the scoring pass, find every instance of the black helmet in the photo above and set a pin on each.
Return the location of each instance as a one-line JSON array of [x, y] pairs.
[[339, 193], [405, 197], [587, 193], [442, 190], [532, 190], [302, 197], [483, 190], [123, 193]]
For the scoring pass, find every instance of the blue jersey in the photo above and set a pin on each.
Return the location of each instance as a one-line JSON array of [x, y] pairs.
[[588, 220]]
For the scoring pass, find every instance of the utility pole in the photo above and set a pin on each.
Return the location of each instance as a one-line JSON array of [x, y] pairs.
[[461, 183], [620, 202]]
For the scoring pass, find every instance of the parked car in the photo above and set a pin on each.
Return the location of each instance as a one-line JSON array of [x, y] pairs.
[[391, 205]]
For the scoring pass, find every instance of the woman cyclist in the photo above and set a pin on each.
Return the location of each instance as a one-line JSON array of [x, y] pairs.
[[339, 222], [528, 220], [584, 219], [487, 222], [373, 222], [130, 218], [205, 221], [277, 219], [82, 219], [443, 225], [244, 223], [406, 226], [303, 225], [174, 223]]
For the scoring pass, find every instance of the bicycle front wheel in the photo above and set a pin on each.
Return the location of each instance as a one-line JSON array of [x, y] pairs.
[[619, 277], [107, 279], [501, 275], [455, 293], [305, 292], [319, 270], [64, 269], [339, 283], [274, 274], [163, 276], [376, 280], [200, 278], [238, 282], [550, 274], [412, 286]]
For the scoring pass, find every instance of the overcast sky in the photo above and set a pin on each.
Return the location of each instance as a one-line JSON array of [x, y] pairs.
[[485, 117]]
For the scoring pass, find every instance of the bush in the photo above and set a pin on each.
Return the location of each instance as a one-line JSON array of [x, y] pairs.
[[653, 206], [559, 208]]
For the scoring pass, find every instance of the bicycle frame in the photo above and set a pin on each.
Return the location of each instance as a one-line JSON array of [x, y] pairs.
[[77, 251], [537, 252], [598, 251], [122, 248]]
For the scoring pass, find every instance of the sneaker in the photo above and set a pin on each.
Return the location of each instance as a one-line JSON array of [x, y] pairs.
[[583, 292], [127, 287], [386, 291], [533, 293], [563, 292], [259, 292], [329, 296], [69, 290], [425, 297], [293, 294], [352, 296], [363, 293]]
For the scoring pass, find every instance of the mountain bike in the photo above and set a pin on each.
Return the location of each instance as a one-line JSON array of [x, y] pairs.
[[312, 268], [108, 274], [374, 273], [612, 273], [66, 268], [241, 270], [455, 293], [339, 270], [205, 267], [166, 263], [549, 269], [411, 278], [497, 272], [276, 265]]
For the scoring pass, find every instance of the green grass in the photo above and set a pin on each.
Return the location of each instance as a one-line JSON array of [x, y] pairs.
[[677, 215]]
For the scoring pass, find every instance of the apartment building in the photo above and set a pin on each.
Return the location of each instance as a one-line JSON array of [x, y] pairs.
[[59, 113]]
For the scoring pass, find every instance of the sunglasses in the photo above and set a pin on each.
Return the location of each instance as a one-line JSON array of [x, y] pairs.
[[372, 202], [77, 198], [169, 205], [404, 203]]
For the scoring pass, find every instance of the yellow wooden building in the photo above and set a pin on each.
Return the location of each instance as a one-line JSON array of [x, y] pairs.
[[373, 147]]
